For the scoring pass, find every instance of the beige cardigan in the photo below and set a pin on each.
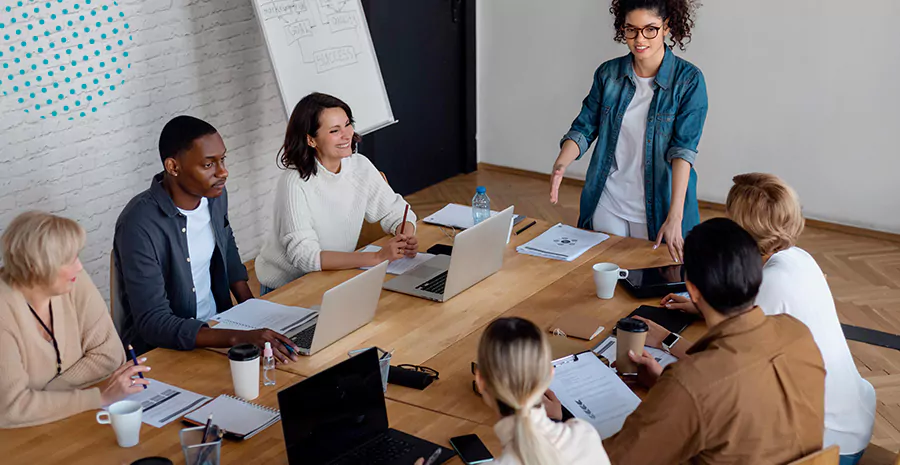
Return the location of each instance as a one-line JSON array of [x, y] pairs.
[[30, 391]]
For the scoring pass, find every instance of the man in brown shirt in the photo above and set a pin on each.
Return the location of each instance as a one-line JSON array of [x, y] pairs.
[[752, 390]]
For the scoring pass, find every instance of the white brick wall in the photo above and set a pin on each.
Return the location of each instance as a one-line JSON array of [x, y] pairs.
[[205, 58]]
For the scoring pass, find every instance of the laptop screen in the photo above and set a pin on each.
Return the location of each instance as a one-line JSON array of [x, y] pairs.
[[334, 411]]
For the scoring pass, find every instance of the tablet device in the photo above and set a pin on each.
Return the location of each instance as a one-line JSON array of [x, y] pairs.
[[655, 282], [673, 320]]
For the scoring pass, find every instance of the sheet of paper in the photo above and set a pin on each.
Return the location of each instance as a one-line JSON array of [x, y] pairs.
[[454, 215], [164, 403], [562, 242], [258, 314], [399, 266], [593, 392], [607, 350]]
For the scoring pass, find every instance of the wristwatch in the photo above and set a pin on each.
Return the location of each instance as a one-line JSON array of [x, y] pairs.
[[670, 341]]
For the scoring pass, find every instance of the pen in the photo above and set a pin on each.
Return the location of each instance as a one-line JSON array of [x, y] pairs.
[[403, 224], [526, 227], [134, 359], [202, 452], [434, 456], [387, 354]]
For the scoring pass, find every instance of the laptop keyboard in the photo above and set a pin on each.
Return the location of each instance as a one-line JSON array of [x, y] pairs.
[[304, 338], [382, 450], [435, 284]]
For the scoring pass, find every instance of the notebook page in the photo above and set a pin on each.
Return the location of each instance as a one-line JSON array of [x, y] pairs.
[[258, 313], [234, 415], [402, 265], [593, 392]]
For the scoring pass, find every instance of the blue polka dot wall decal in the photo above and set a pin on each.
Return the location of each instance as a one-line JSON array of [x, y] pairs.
[[60, 26]]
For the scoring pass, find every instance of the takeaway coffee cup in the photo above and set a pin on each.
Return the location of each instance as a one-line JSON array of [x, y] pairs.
[[125, 417], [631, 334], [244, 359], [606, 275]]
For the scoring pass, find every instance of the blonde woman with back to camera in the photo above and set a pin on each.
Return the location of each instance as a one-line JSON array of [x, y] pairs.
[[56, 335], [514, 371]]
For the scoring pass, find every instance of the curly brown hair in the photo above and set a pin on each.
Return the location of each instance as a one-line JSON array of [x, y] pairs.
[[678, 13]]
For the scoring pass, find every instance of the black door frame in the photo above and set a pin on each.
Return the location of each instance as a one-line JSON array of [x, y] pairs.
[[470, 91]]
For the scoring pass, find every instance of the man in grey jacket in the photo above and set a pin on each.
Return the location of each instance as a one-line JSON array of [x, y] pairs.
[[176, 261]]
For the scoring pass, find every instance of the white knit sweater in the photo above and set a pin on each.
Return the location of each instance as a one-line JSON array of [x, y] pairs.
[[325, 213]]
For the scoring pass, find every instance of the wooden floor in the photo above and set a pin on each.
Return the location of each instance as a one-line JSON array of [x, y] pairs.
[[864, 274]]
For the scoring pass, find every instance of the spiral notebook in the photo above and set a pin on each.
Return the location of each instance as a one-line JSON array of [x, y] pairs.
[[240, 419]]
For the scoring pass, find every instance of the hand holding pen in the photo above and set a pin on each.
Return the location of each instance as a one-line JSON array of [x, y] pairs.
[[122, 383]]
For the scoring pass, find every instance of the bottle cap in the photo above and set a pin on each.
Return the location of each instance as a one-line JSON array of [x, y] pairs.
[[267, 352], [480, 190]]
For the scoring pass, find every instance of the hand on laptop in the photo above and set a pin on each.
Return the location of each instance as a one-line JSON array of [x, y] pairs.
[[677, 302], [280, 343]]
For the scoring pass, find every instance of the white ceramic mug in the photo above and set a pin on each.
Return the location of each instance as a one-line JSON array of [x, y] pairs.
[[606, 275], [125, 417]]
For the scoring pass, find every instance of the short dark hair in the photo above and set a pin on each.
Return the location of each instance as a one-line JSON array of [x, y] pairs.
[[179, 134], [296, 152], [723, 261]]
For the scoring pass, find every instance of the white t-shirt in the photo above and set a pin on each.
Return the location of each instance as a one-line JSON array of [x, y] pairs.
[[794, 284], [201, 244], [623, 194]]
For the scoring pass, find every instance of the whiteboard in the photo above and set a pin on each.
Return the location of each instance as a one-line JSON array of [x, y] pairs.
[[325, 46]]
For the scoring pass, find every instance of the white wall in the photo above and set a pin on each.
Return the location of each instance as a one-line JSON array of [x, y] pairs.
[[204, 58], [804, 89]]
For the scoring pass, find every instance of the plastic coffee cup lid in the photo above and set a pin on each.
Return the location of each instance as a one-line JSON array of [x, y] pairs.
[[243, 352], [632, 325]]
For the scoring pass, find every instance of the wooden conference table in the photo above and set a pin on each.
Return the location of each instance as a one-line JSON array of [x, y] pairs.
[[442, 336]]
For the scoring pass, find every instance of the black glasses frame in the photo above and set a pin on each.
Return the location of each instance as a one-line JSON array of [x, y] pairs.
[[422, 369]]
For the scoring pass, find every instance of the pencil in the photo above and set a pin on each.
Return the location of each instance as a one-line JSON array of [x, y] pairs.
[[403, 224], [134, 359], [526, 227]]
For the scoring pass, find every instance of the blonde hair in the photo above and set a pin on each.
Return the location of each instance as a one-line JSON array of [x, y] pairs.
[[514, 362], [768, 209], [35, 245]]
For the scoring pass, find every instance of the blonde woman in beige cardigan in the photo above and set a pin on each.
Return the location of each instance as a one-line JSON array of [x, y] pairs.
[[56, 335]]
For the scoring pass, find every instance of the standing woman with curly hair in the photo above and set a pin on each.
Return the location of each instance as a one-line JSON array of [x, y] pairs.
[[646, 110]]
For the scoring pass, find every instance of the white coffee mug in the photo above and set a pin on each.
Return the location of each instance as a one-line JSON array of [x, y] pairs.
[[606, 275], [125, 417], [244, 360]]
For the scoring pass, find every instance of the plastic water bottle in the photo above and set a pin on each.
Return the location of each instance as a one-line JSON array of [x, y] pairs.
[[481, 205], [268, 366]]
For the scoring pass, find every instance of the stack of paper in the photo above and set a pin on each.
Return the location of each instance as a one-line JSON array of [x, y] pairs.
[[593, 392], [163, 403], [562, 242], [400, 266], [261, 314]]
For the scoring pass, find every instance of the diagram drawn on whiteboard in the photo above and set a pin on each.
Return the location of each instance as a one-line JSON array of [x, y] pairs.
[[327, 32]]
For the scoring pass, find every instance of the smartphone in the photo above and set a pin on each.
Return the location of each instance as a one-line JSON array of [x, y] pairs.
[[470, 449], [440, 249]]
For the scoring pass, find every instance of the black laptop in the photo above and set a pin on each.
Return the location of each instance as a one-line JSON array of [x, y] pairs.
[[655, 282], [339, 416]]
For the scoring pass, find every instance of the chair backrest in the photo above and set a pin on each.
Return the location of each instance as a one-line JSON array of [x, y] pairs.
[[370, 232], [828, 456]]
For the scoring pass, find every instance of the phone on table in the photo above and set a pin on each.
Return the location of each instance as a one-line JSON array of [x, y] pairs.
[[470, 449], [440, 249]]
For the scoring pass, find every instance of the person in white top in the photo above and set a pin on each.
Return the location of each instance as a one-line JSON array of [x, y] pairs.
[[794, 284], [325, 193], [201, 245], [513, 374]]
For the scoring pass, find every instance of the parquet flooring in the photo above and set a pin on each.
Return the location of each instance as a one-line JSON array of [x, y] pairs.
[[864, 275]]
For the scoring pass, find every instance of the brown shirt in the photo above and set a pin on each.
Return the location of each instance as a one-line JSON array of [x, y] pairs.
[[753, 391]]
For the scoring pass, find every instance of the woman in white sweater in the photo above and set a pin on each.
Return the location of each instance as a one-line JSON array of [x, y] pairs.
[[323, 196], [794, 284]]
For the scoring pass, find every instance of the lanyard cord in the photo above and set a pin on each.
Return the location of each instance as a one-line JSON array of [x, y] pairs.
[[52, 336]]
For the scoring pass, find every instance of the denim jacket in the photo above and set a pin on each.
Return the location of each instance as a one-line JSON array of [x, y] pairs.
[[153, 280], [674, 125]]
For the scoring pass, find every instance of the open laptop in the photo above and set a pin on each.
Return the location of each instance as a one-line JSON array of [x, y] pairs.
[[344, 308], [338, 416], [477, 254]]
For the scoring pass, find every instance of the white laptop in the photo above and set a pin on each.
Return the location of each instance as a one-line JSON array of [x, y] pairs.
[[344, 308], [477, 254]]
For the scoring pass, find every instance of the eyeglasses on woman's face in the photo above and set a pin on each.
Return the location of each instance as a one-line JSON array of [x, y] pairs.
[[649, 32]]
